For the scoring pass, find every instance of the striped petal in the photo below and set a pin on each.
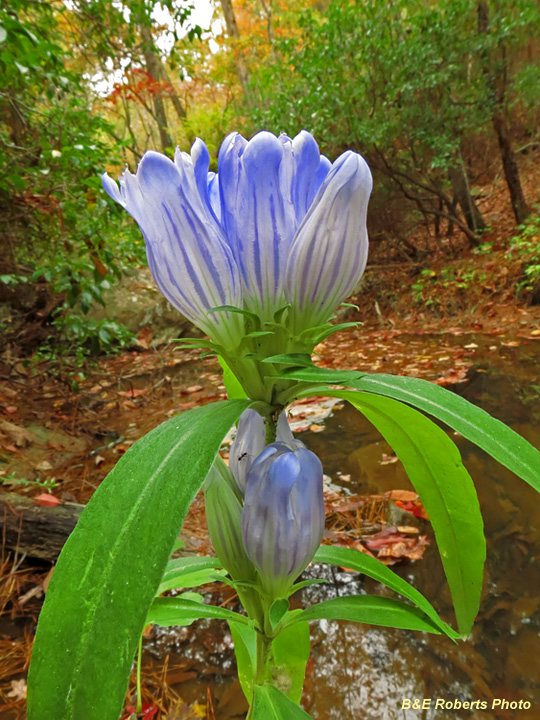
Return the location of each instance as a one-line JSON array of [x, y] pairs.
[[283, 514], [307, 179], [249, 443], [213, 194], [187, 254], [247, 446], [329, 252], [257, 215]]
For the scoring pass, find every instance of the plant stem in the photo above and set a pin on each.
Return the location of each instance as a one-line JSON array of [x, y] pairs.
[[264, 647], [271, 428], [262, 672]]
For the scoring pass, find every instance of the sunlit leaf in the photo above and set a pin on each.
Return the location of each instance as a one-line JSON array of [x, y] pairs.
[[169, 611], [290, 652], [232, 385], [189, 572], [269, 703]]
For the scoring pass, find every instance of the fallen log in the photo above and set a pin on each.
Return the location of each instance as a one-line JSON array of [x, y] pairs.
[[33, 530]]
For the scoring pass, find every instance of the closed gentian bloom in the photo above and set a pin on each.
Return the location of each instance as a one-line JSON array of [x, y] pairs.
[[283, 514], [249, 443], [277, 224], [224, 520]]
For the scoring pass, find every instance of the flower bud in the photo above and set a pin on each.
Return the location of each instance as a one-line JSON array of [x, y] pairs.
[[283, 515], [224, 519], [249, 443]]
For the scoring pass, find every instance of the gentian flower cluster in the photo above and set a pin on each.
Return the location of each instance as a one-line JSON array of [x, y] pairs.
[[265, 512], [278, 226], [258, 256]]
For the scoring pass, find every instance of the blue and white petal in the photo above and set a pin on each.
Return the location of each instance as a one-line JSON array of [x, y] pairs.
[[248, 444], [307, 160], [329, 252], [187, 254], [258, 216], [201, 162], [283, 514], [213, 194]]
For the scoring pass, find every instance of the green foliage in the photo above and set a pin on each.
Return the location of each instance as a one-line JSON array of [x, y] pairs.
[[54, 149], [408, 84], [113, 563], [370, 609], [362, 563], [13, 480], [526, 246], [189, 572], [434, 467], [290, 651], [92, 336], [475, 424], [269, 703], [425, 289], [168, 611]]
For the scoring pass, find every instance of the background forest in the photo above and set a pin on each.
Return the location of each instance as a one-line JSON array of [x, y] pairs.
[[442, 98]]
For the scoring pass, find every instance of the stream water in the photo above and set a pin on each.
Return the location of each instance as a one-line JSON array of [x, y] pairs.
[[363, 672]]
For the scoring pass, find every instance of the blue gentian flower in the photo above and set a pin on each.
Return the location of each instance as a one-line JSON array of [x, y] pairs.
[[249, 443], [283, 514], [277, 224]]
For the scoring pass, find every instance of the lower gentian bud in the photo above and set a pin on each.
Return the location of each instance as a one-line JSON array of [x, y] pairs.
[[283, 515], [224, 520]]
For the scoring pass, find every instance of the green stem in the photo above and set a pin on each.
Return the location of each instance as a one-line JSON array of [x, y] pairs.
[[264, 648], [271, 428], [262, 672]]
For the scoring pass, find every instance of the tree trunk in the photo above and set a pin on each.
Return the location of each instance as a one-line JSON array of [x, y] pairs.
[[153, 67], [177, 103], [511, 172], [465, 200], [232, 32], [499, 120]]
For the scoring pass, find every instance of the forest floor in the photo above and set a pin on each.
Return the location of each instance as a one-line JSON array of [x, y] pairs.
[[57, 445]]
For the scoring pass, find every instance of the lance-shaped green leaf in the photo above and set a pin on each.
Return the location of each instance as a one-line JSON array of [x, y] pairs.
[[245, 649], [231, 382], [301, 368], [189, 572], [291, 359], [112, 565], [434, 467], [475, 424], [373, 568], [269, 703], [319, 374], [168, 611], [290, 654], [372, 610]]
